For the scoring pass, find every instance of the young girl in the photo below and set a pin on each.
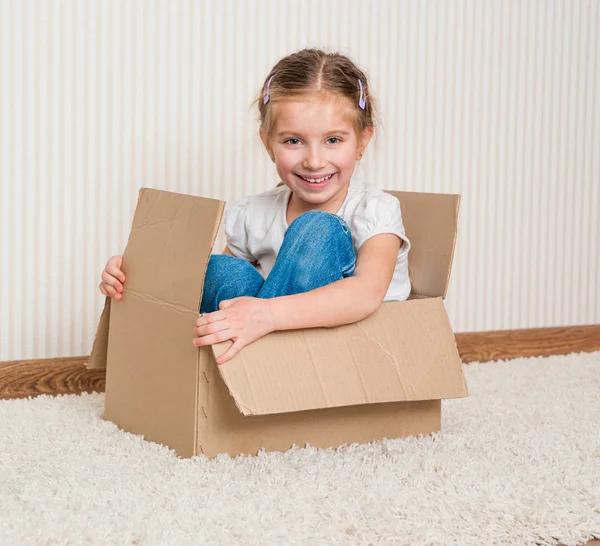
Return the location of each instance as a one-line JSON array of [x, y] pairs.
[[322, 248]]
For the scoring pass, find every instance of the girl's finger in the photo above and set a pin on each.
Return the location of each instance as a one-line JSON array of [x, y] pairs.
[[108, 290], [101, 286], [211, 317], [109, 280], [115, 272], [231, 352], [227, 303], [211, 328], [213, 338]]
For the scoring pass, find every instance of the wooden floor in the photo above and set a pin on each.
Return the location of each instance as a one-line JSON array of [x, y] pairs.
[[508, 344], [20, 379]]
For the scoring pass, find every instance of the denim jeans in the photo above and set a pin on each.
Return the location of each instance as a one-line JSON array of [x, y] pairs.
[[316, 250]]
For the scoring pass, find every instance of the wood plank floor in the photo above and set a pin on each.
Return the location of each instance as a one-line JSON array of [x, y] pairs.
[[20, 379], [508, 344]]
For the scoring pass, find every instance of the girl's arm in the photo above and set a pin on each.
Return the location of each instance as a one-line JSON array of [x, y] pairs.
[[227, 251], [345, 301]]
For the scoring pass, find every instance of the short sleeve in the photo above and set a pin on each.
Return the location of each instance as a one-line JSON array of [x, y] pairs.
[[236, 229], [379, 214]]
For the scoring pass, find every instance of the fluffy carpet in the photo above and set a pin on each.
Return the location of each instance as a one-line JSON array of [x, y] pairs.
[[518, 462]]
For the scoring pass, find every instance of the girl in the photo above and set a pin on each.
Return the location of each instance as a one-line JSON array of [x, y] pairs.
[[322, 248]]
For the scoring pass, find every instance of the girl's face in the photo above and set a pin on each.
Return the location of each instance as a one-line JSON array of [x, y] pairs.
[[315, 147]]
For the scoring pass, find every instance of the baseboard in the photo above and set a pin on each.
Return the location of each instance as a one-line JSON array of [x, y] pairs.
[[509, 344], [55, 376]]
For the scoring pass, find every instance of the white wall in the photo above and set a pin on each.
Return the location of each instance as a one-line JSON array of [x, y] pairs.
[[498, 100]]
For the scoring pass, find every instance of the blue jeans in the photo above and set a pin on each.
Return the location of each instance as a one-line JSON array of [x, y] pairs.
[[316, 250]]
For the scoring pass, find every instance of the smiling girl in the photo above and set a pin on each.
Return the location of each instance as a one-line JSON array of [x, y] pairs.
[[323, 248]]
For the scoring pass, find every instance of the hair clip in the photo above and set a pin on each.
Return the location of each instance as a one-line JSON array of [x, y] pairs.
[[267, 97], [362, 101]]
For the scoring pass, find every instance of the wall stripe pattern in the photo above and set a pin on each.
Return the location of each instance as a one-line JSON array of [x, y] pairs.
[[496, 100]]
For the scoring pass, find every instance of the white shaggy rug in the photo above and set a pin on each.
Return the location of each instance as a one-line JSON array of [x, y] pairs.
[[518, 462]]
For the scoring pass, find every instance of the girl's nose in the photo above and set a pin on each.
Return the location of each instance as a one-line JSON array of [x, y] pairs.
[[313, 160]]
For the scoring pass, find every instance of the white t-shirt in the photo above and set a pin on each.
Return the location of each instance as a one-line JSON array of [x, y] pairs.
[[255, 227]]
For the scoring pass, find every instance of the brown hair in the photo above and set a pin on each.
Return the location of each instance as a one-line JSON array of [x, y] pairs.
[[313, 70]]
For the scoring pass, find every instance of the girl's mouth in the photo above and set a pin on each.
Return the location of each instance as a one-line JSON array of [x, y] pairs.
[[315, 182]]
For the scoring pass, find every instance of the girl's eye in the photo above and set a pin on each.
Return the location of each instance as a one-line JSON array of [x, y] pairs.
[[292, 141], [333, 140]]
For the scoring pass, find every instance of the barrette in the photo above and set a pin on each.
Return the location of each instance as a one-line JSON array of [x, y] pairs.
[[362, 101], [267, 97]]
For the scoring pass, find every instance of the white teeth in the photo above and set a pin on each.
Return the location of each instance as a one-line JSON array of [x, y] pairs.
[[317, 180]]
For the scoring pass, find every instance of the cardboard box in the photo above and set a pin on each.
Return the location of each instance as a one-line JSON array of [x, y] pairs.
[[383, 377]]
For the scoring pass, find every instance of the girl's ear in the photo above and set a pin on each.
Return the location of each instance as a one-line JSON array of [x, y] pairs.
[[363, 142], [266, 144]]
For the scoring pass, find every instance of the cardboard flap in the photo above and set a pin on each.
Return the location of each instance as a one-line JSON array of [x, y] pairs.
[[169, 247], [431, 221], [100, 347], [165, 260], [406, 351]]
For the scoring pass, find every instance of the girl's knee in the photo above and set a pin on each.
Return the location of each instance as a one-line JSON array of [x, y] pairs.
[[228, 277], [226, 270], [318, 225], [224, 263], [317, 238]]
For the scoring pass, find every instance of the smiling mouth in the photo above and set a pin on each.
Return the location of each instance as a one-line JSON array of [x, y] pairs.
[[316, 180]]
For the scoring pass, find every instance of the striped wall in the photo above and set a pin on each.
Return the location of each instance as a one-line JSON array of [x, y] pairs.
[[498, 100]]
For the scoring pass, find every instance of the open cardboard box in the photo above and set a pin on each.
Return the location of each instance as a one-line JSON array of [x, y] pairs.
[[383, 377]]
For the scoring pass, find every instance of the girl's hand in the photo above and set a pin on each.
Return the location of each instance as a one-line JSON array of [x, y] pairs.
[[113, 278], [242, 320]]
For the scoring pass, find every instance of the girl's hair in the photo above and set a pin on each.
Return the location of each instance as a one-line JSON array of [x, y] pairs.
[[313, 70]]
